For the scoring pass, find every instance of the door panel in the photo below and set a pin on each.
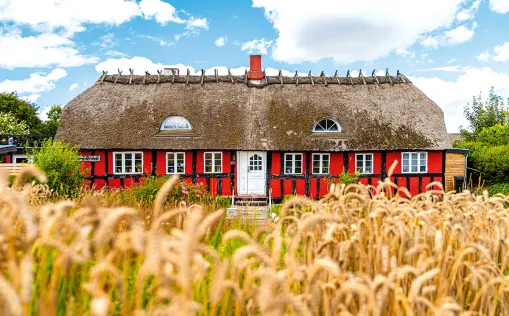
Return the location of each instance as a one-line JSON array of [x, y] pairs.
[[252, 172]]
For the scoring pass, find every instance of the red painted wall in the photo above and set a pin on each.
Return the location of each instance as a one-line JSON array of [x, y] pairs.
[[336, 167]]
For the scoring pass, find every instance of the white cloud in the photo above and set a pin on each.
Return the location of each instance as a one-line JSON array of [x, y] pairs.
[[501, 52], [114, 53], [72, 14], [350, 31], [499, 6], [221, 41], [163, 12], [429, 41], [73, 86], [460, 35], [43, 50], [197, 23], [193, 27], [468, 13], [452, 60], [31, 98], [484, 56], [452, 96], [256, 46], [36, 83], [106, 41]]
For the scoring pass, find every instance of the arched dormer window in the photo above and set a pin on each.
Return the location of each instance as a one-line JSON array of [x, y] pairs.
[[326, 126], [173, 123]]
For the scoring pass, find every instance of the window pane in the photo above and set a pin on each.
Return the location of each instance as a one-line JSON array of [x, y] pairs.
[[298, 170], [405, 169], [171, 163], [414, 168], [359, 163], [368, 169], [316, 170], [405, 156], [423, 168], [369, 157], [217, 168], [171, 169], [325, 157], [208, 155]]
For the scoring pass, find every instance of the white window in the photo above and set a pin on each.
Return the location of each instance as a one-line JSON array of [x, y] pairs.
[[321, 163], [175, 163], [19, 159], [175, 123], [128, 163], [415, 162], [327, 125], [293, 163], [364, 163], [213, 162]]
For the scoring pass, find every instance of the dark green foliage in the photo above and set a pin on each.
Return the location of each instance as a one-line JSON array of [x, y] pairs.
[[182, 192], [50, 126], [484, 114], [60, 162], [345, 178], [502, 187], [489, 153], [487, 138], [23, 110]]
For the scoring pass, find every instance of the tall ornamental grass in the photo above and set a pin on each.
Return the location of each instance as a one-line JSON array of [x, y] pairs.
[[358, 251]]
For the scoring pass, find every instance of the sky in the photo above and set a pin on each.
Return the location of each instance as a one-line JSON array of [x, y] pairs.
[[52, 50]]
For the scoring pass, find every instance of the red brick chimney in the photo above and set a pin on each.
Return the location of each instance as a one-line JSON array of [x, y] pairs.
[[255, 67]]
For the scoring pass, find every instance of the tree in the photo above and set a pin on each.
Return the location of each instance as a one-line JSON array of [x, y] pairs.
[[484, 114], [11, 125], [61, 163], [50, 126], [21, 109]]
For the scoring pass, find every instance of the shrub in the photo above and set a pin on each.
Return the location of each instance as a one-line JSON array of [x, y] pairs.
[[345, 178], [183, 192], [501, 187], [61, 164], [222, 202]]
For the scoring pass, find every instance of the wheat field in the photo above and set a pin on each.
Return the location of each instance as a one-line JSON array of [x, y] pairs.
[[358, 251]]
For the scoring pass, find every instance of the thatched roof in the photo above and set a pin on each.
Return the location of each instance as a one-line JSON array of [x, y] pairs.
[[276, 113]]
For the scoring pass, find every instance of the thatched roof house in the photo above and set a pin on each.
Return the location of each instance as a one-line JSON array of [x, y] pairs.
[[276, 114], [272, 115]]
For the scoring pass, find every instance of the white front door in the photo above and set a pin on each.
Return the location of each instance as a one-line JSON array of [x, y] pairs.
[[251, 172]]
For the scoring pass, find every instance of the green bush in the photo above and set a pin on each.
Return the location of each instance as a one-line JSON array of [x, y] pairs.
[[222, 202], [345, 178], [182, 192], [61, 163], [501, 187], [11, 180]]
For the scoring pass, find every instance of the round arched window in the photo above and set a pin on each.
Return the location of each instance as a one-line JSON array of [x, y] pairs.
[[327, 125], [175, 123]]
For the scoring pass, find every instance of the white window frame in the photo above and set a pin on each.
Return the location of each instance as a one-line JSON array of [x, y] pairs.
[[363, 171], [320, 160], [419, 153], [133, 165], [182, 124], [292, 167], [175, 163], [327, 130], [213, 161], [15, 157]]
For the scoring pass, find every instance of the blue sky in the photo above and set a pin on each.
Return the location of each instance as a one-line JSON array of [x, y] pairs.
[[51, 50]]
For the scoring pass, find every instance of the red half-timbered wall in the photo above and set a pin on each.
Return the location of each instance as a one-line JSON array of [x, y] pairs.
[[100, 174]]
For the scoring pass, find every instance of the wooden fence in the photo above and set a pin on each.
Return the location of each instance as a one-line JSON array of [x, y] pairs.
[[12, 168]]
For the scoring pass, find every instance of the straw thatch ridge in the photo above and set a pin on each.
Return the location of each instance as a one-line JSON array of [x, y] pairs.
[[268, 80], [227, 116]]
